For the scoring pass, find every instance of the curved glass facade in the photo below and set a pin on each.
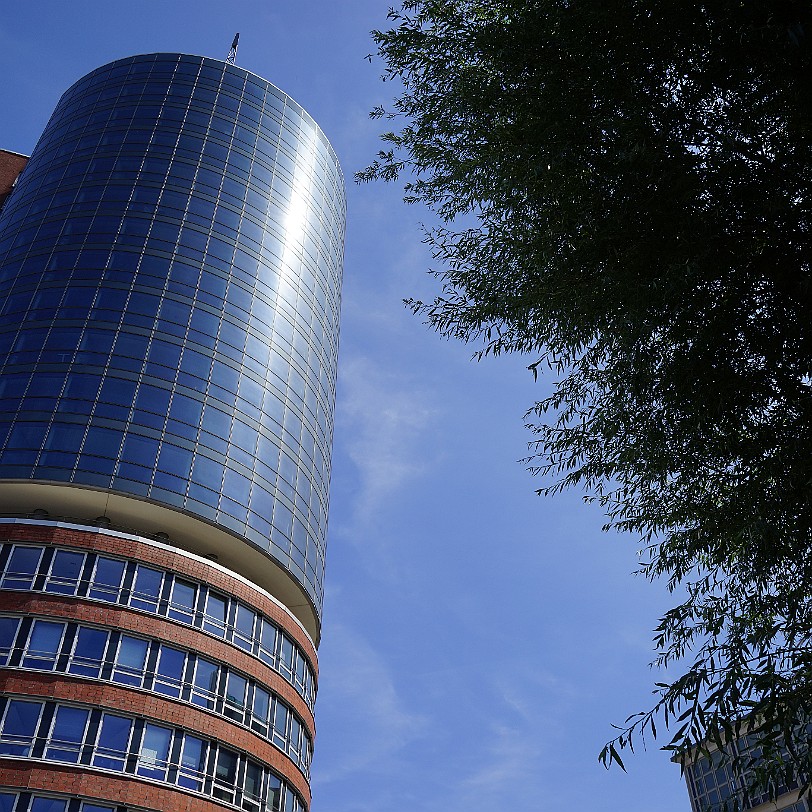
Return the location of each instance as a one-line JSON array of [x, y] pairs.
[[170, 268]]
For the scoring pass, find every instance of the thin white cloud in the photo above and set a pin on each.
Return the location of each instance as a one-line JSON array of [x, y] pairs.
[[369, 723], [383, 430]]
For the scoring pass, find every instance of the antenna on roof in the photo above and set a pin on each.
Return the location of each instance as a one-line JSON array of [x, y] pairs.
[[232, 54]]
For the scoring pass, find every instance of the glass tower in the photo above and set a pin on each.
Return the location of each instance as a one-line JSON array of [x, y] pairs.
[[170, 271]]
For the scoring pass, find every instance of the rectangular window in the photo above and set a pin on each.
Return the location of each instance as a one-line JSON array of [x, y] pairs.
[[21, 568], [244, 628], [182, 602], [280, 725], [267, 643], [236, 688], [67, 734], [113, 742], [295, 746], [192, 769], [130, 661], [88, 652], [214, 620], [286, 658], [66, 568], [43, 644], [252, 786], [225, 775], [146, 589], [43, 804], [260, 710], [8, 634], [153, 757], [7, 801], [169, 673], [204, 689], [105, 585], [19, 727]]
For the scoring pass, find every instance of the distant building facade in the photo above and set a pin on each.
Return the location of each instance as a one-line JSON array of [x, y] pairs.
[[170, 272], [712, 783]]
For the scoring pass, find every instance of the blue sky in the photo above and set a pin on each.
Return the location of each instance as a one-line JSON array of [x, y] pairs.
[[478, 640]]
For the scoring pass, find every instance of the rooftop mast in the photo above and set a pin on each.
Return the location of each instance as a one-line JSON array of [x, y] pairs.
[[232, 54]]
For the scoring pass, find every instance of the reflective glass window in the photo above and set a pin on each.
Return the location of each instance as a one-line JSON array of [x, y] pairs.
[[86, 807], [267, 643], [43, 645], [66, 567], [21, 568], [225, 775], [88, 652], [182, 602], [153, 757], [105, 584], [43, 804], [146, 589], [112, 743], [244, 627], [214, 620], [236, 688], [192, 769], [7, 800], [252, 786], [169, 673], [19, 727], [286, 658], [204, 689], [260, 710], [130, 661], [67, 734], [8, 634]]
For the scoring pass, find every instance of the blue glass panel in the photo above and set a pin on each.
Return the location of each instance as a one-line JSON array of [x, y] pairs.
[[19, 726], [88, 652], [43, 804], [153, 758], [192, 763], [106, 583], [8, 633], [21, 568], [130, 661], [66, 568], [43, 645], [113, 742], [67, 734]]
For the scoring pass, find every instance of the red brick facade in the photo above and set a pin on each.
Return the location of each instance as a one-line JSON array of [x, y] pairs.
[[11, 164], [88, 782]]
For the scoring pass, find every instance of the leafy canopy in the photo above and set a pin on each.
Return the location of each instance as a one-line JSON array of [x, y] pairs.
[[623, 191]]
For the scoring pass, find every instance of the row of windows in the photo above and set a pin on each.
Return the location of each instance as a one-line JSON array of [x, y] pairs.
[[203, 81], [316, 310], [118, 223], [138, 301], [88, 575], [26, 802], [247, 291], [195, 358], [85, 651], [253, 439], [278, 507], [73, 734], [183, 123], [256, 158], [713, 782]]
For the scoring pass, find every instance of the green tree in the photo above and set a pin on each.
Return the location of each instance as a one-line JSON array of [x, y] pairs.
[[622, 192]]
